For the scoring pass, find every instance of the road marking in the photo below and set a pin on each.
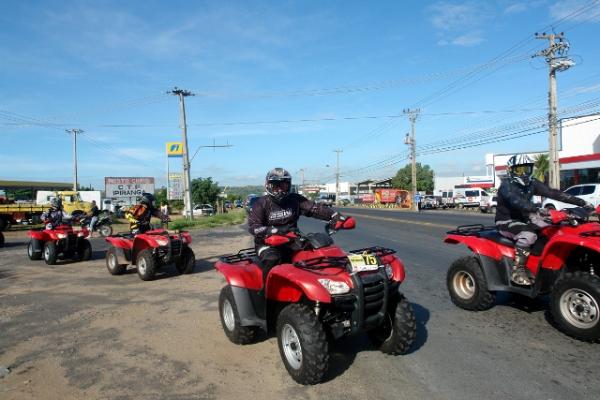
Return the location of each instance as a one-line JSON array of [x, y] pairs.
[[406, 221]]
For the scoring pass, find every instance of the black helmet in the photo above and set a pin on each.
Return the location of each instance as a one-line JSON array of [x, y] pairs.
[[278, 183], [147, 199], [520, 169]]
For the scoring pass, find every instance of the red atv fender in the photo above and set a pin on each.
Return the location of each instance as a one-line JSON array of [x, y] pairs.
[[481, 246], [560, 246]]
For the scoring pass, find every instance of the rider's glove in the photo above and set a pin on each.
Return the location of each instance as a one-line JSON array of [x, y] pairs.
[[337, 221], [589, 206], [543, 212]]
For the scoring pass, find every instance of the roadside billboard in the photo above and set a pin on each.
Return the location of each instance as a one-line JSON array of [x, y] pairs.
[[174, 149], [175, 186], [127, 189]]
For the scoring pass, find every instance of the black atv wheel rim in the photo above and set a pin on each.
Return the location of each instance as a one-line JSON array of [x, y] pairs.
[[464, 285], [291, 346], [228, 316], [579, 308]]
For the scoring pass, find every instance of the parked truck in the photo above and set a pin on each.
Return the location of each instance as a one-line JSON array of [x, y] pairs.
[[14, 213]]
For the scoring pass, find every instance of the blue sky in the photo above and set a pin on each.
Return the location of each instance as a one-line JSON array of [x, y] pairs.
[[285, 82]]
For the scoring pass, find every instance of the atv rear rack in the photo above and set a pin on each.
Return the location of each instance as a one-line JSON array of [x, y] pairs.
[[242, 255], [375, 250], [470, 230]]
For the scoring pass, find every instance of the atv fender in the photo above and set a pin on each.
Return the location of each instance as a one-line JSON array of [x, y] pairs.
[[243, 275], [122, 255], [287, 283], [398, 272], [246, 309], [559, 247], [482, 246], [141, 243]]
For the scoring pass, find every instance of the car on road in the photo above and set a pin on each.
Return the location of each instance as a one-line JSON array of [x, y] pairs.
[[488, 205], [250, 200], [203, 209], [429, 202], [589, 192]]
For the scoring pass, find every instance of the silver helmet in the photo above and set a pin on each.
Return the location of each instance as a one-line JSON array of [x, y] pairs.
[[520, 169]]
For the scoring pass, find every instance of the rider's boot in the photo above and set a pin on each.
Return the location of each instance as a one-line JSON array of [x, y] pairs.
[[519, 274]]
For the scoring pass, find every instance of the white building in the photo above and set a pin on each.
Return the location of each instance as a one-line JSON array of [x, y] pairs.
[[579, 152]]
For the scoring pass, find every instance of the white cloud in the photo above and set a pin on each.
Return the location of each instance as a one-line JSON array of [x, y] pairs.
[[574, 11], [459, 24], [469, 39], [515, 8]]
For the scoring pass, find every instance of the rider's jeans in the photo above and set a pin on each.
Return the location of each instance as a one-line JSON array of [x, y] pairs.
[[93, 222]]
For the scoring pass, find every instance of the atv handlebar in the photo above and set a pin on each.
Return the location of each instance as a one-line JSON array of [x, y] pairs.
[[571, 215]]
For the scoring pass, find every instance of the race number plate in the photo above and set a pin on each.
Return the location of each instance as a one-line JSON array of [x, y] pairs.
[[363, 262]]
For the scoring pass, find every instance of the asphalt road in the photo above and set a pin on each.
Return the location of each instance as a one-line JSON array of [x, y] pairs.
[[509, 352], [78, 330]]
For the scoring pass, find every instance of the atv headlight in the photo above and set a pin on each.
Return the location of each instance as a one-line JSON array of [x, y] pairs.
[[389, 271], [162, 241], [334, 287], [61, 235]]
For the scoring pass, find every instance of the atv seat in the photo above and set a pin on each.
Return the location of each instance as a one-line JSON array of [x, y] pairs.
[[495, 236]]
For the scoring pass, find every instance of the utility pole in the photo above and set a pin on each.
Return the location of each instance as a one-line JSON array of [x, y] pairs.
[[187, 183], [74, 132], [556, 57], [337, 177], [413, 115]]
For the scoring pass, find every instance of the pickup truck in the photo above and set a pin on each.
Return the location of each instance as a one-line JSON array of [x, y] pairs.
[[13, 213]]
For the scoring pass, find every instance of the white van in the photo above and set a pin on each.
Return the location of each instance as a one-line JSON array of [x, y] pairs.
[[447, 199], [470, 197]]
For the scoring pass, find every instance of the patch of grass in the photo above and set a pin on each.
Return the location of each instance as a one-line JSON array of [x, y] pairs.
[[234, 217]]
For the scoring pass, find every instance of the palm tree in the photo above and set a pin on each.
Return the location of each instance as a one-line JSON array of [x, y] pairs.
[[541, 167]]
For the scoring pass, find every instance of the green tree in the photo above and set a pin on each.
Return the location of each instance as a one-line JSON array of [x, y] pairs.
[[541, 167], [161, 196], [205, 191], [403, 178]]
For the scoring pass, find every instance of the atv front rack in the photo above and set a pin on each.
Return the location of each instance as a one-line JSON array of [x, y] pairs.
[[321, 262], [375, 250], [594, 233], [242, 255]]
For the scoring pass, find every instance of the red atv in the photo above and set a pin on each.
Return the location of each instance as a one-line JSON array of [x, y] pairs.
[[563, 262], [322, 294], [59, 242], [149, 251]]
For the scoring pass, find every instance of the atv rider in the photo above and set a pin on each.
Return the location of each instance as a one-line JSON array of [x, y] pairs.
[[54, 216], [94, 213], [139, 215], [518, 218], [278, 212]]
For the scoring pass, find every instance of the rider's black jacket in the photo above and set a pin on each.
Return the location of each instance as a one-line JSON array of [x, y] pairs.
[[266, 213], [514, 200]]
